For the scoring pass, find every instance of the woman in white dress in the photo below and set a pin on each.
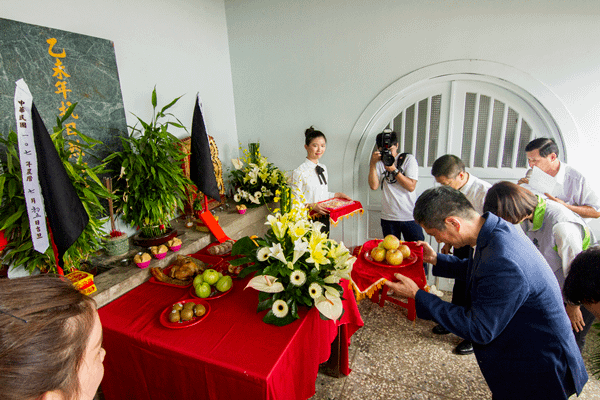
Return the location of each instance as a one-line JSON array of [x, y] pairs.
[[309, 180]]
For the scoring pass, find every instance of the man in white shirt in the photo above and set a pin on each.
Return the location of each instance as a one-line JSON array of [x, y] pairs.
[[575, 192], [398, 180], [449, 170]]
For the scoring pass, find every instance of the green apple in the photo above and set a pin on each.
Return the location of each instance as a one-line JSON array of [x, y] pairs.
[[224, 284], [210, 276], [197, 280], [203, 290]]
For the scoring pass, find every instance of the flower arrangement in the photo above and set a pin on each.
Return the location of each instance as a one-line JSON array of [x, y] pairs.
[[295, 264], [255, 179]]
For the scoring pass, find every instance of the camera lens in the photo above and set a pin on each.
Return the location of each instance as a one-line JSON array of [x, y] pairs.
[[387, 158]]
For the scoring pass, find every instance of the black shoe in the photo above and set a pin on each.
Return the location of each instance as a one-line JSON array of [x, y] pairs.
[[463, 348], [440, 330]]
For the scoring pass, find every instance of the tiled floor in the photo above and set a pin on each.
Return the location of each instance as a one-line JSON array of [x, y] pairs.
[[394, 358]]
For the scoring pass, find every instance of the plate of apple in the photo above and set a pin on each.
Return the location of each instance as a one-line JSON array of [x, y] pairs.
[[389, 252]]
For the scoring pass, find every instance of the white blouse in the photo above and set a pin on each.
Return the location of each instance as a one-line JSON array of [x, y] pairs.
[[305, 182]]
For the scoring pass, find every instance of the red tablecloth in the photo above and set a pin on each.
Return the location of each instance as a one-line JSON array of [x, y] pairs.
[[368, 277], [232, 354]]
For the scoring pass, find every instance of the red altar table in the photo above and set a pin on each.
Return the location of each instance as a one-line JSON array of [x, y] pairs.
[[231, 354], [368, 278]]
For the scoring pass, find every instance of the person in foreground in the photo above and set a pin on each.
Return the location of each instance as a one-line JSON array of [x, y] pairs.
[[582, 285], [514, 313], [50, 340]]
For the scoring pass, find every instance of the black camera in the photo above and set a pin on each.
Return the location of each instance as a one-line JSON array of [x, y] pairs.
[[386, 144]]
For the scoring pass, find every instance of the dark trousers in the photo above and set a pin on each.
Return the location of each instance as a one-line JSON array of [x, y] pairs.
[[409, 231], [459, 291], [588, 319]]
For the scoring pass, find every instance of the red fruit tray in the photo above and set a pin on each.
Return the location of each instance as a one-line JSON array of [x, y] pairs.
[[164, 316], [371, 244], [210, 261]]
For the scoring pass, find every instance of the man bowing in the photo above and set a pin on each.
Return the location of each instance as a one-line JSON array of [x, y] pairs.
[[514, 313]]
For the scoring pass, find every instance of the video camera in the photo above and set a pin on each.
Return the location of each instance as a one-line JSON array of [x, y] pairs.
[[386, 144]]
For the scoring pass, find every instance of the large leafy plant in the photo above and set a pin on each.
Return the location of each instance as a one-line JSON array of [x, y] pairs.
[[296, 265], [13, 214], [151, 186]]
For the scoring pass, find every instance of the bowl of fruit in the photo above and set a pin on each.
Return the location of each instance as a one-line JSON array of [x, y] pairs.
[[211, 284]]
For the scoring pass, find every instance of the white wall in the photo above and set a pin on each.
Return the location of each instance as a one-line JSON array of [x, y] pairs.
[[301, 62], [179, 46]]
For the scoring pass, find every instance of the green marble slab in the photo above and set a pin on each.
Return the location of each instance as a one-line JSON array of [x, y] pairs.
[[61, 68]]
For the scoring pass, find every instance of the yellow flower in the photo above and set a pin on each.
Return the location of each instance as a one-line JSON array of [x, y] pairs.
[[318, 252]]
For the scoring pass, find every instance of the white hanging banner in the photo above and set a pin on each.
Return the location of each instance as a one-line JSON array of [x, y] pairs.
[[29, 168]]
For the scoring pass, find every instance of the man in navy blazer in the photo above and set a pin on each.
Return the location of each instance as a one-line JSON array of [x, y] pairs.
[[514, 314]]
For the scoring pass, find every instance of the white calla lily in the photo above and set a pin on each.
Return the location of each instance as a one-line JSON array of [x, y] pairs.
[[330, 306], [265, 283]]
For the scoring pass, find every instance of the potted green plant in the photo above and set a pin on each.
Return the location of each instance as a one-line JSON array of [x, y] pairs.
[[151, 186], [13, 216]]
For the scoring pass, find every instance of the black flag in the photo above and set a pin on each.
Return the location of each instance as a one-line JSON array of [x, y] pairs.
[[202, 172], [66, 216]]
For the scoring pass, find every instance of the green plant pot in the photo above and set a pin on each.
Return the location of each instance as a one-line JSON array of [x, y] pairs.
[[117, 246]]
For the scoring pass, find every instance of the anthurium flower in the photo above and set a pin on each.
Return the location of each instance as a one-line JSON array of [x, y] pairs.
[[330, 306], [315, 290], [237, 163], [298, 277], [263, 254], [265, 283], [280, 308], [277, 252]]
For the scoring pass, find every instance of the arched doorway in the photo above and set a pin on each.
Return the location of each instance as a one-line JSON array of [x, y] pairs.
[[481, 111]]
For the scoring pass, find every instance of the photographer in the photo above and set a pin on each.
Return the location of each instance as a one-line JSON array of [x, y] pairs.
[[398, 175]]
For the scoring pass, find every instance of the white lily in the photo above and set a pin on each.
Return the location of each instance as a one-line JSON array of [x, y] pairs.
[[332, 279], [265, 283], [277, 252], [330, 306], [300, 247]]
